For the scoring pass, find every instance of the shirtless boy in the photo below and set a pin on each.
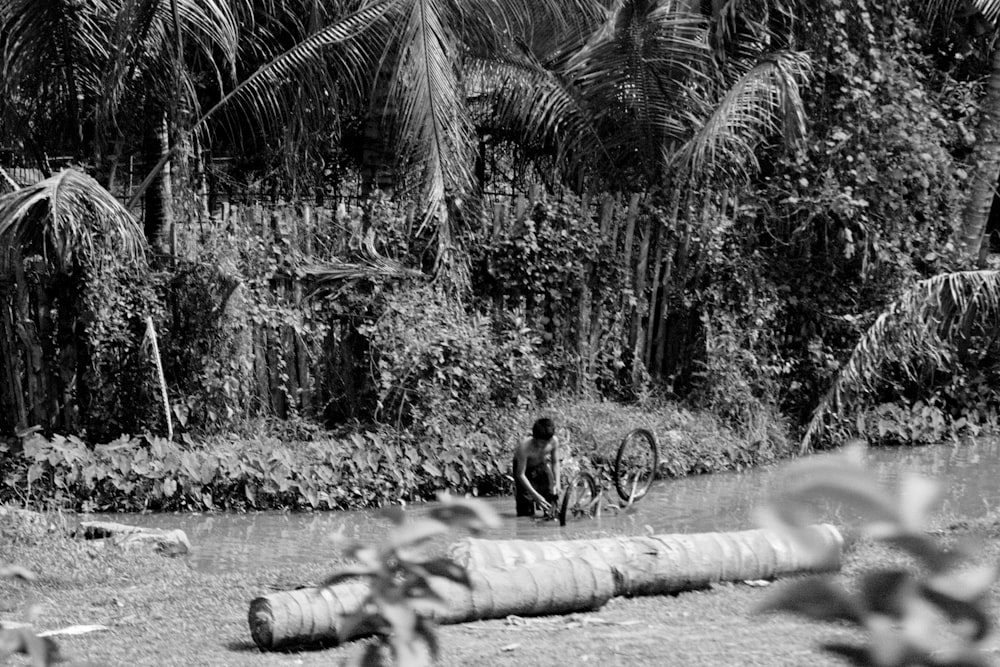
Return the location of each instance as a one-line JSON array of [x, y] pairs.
[[536, 469]]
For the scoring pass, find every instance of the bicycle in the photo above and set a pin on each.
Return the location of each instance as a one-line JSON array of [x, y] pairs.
[[634, 470]]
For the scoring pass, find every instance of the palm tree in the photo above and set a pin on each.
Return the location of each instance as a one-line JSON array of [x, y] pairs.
[[626, 92], [929, 326], [66, 243], [93, 81], [986, 152], [612, 90]]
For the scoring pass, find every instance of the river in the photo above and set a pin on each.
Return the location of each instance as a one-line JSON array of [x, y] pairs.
[[223, 542]]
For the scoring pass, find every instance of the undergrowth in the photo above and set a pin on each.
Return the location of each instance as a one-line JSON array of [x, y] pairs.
[[365, 468]]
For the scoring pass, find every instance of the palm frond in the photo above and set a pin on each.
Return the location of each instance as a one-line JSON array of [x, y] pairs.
[[427, 102], [515, 93], [141, 37], [324, 277], [763, 103], [67, 219], [54, 51], [989, 8], [634, 71], [487, 27], [919, 329], [259, 92]]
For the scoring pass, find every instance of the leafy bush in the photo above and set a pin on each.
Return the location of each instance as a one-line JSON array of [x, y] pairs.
[[363, 470], [690, 442], [933, 614], [42, 651], [871, 201], [544, 264], [439, 365]]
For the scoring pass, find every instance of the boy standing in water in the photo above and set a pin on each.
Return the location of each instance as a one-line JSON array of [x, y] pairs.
[[536, 469]]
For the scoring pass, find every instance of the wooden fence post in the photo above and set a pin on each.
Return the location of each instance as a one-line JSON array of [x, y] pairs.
[[654, 285], [636, 334]]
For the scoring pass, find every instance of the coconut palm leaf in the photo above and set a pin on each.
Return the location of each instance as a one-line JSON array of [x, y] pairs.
[[53, 51], [142, 35], [945, 10], [764, 102], [431, 118], [67, 219], [145, 69], [514, 92], [920, 328], [634, 71], [324, 277], [258, 93], [989, 8]]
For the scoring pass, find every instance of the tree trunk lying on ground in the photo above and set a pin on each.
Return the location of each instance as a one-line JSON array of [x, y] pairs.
[[512, 577], [314, 616], [661, 564]]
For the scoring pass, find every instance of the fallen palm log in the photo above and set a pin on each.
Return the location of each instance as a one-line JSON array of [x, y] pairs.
[[539, 578], [316, 616], [661, 564]]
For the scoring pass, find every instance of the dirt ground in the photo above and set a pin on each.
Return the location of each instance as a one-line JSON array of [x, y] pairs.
[[160, 612]]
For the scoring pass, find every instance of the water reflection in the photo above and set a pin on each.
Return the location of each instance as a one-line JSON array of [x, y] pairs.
[[224, 542]]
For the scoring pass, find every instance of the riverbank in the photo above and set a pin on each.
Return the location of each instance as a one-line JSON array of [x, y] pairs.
[[158, 611], [367, 467]]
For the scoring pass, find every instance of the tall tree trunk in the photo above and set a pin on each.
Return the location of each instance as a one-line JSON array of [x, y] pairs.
[[158, 217], [987, 164]]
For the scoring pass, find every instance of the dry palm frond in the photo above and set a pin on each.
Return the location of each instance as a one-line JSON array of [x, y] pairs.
[[67, 219], [919, 329], [326, 276]]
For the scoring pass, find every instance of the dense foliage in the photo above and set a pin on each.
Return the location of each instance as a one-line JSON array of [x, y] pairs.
[[931, 609], [362, 469], [702, 202]]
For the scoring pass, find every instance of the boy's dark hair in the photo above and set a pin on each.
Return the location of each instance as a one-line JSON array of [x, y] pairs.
[[543, 429]]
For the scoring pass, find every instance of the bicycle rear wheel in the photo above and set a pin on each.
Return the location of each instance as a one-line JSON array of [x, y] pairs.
[[636, 464], [578, 499]]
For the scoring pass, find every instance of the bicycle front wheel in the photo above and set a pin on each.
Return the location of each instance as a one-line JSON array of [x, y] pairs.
[[636, 464], [579, 498]]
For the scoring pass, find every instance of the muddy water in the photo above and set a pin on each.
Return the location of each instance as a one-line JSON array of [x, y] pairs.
[[224, 542]]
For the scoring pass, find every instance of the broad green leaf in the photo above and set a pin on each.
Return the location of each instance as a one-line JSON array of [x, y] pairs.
[[922, 547], [416, 533], [448, 569], [470, 513], [887, 644], [969, 584], [426, 630], [400, 616], [347, 572], [962, 610], [856, 655], [882, 591], [817, 598], [917, 495]]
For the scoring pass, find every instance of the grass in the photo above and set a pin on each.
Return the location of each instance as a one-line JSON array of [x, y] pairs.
[[160, 612]]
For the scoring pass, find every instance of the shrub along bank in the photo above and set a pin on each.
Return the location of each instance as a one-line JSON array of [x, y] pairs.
[[363, 469]]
